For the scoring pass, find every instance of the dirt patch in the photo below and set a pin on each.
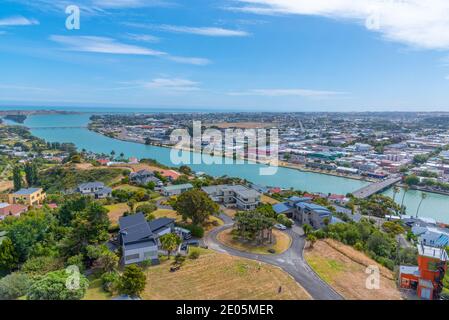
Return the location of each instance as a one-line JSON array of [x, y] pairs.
[[265, 199], [282, 242], [217, 276], [6, 185], [344, 268]]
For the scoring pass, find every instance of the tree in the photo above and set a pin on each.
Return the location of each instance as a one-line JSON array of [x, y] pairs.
[[185, 170], [17, 178], [59, 285], [412, 180], [170, 242], [132, 282], [131, 204], [406, 189], [31, 174], [196, 205], [396, 190], [254, 226], [307, 229], [112, 154], [14, 285], [423, 197], [8, 256]]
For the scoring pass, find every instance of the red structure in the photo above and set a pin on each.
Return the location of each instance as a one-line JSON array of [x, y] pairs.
[[427, 277]]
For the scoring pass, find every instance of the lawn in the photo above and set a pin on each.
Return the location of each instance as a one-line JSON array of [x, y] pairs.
[[117, 210], [282, 243], [268, 200], [344, 268], [129, 188], [217, 276], [96, 292]]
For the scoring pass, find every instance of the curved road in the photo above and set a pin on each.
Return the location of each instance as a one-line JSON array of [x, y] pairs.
[[291, 261]]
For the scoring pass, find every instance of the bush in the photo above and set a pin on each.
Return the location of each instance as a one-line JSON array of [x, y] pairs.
[[77, 260], [194, 255], [179, 259], [197, 231], [113, 228], [14, 285], [109, 281], [41, 265]]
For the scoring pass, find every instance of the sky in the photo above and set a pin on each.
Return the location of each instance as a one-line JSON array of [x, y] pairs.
[[248, 55]]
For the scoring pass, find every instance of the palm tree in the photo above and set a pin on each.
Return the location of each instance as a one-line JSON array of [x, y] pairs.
[[112, 154], [122, 155], [406, 188], [423, 197], [396, 190]]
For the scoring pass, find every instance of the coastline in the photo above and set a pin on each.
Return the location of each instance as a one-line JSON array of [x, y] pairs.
[[281, 164]]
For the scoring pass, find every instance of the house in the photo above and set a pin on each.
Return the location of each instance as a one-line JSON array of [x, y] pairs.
[[137, 240], [143, 177], [15, 210], [29, 197], [176, 190], [426, 278], [305, 212], [161, 226], [234, 195], [95, 189]]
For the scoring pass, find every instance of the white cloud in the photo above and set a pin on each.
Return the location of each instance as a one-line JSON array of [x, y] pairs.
[[102, 45], [17, 21], [204, 31], [190, 60], [114, 4], [172, 84], [306, 93], [417, 23], [142, 37], [447, 77]]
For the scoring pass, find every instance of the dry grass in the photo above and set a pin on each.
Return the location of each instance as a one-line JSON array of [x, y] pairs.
[[215, 276], [166, 213], [116, 211], [129, 188], [344, 269], [229, 212], [265, 199], [282, 242]]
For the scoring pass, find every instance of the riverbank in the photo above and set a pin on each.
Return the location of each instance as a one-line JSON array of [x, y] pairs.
[[282, 164]]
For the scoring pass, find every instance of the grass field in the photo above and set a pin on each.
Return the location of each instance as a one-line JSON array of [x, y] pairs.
[[96, 292], [117, 210], [220, 276], [344, 269], [281, 244], [266, 199]]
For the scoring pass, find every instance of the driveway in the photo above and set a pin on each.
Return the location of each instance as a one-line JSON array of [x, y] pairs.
[[291, 261]]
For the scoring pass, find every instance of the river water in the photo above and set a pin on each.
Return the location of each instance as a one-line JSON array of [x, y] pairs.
[[71, 128]]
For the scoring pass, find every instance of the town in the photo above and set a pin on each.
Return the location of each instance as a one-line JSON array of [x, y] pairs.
[[130, 225]]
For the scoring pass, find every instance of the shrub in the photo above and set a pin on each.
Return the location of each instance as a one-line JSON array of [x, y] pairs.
[[14, 285], [179, 259], [109, 281], [194, 255], [197, 231], [113, 228], [41, 265], [77, 260]]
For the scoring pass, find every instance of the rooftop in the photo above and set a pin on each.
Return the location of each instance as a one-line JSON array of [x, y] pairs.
[[178, 187], [431, 252], [27, 191]]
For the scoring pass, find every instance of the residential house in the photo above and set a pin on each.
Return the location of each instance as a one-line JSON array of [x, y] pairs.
[[234, 196], [161, 226], [176, 190], [15, 210], [28, 197], [137, 240], [143, 177], [95, 189], [426, 278]]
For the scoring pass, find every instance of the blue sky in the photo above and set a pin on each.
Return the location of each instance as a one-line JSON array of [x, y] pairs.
[[263, 55]]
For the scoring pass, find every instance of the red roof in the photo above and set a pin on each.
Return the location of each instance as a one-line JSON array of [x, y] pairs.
[[170, 174], [275, 190], [13, 209], [336, 197]]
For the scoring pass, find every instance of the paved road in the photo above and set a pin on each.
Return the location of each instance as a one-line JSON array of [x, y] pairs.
[[291, 261]]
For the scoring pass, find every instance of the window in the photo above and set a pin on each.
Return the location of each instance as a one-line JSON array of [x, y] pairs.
[[150, 254], [132, 257]]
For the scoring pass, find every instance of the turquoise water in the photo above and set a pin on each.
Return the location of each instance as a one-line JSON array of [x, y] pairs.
[[435, 206]]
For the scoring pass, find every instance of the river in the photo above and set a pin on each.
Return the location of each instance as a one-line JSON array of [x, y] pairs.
[[71, 128]]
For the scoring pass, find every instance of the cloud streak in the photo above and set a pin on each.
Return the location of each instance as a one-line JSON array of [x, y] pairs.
[[305, 93], [173, 84], [17, 21], [104, 45], [416, 23], [204, 31]]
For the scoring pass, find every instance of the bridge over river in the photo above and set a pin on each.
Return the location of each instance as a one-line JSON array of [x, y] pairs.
[[374, 188]]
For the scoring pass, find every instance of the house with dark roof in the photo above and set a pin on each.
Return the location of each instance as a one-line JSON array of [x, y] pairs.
[[143, 177], [137, 240], [95, 189]]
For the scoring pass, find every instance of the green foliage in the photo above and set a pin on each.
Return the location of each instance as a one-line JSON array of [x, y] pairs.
[[254, 226], [170, 242], [110, 281], [411, 180], [31, 174], [185, 170], [183, 179], [196, 205], [71, 207], [195, 230], [283, 219], [60, 178], [77, 260], [393, 228], [31, 228], [378, 205], [132, 282], [307, 229], [194, 255], [14, 285], [8, 256], [53, 286], [17, 178], [37, 266]]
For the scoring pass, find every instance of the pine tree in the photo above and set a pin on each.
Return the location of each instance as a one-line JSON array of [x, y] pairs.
[[17, 178]]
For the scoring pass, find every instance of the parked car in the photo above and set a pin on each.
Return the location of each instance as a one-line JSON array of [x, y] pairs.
[[280, 226]]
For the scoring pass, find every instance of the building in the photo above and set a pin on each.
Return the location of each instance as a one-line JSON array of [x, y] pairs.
[[176, 190], [15, 210], [28, 197], [143, 177], [95, 189], [237, 196], [426, 278], [137, 240]]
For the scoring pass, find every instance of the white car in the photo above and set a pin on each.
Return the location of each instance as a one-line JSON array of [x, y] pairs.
[[280, 226]]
